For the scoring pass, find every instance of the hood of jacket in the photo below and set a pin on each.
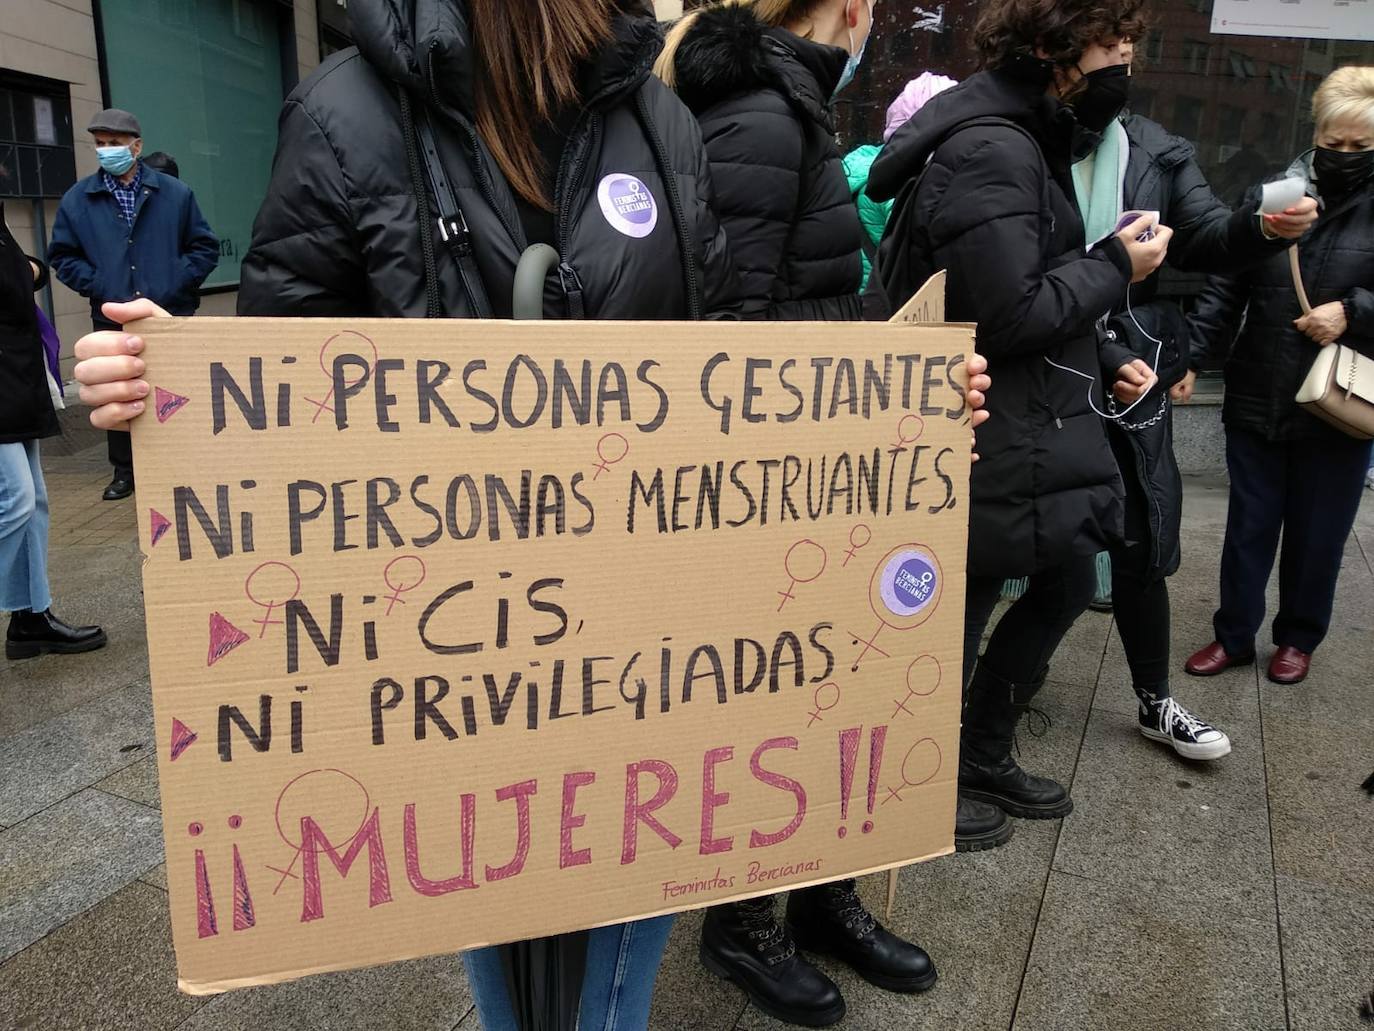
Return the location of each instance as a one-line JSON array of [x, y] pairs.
[[1015, 93], [728, 52], [427, 46]]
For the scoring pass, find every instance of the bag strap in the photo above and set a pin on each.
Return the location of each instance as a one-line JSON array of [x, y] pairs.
[[449, 219]]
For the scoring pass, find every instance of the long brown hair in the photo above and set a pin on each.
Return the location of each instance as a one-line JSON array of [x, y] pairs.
[[527, 56]]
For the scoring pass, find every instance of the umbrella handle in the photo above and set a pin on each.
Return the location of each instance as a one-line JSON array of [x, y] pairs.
[[1303, 302], [527, 295]]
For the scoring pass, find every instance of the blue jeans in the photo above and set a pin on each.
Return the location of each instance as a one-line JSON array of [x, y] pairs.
[[23, 529], [622, 963]]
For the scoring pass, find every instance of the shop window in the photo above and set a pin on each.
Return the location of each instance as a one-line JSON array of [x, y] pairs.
[[206, 80], [335, 32], [36, 156], [1195, 56]]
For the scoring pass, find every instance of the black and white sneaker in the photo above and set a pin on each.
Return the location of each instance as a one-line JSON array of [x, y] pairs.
[[1167, 721]]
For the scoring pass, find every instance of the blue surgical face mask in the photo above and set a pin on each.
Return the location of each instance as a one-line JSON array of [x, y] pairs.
[[852, 65], [115, 160]]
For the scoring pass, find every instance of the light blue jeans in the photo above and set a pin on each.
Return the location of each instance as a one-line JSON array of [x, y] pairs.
[[23, 529], [622, 963]]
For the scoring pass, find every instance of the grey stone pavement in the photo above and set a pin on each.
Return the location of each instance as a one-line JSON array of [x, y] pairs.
[[1238, 894]]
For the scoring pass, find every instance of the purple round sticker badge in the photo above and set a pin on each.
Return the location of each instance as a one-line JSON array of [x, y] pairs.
[[627, 204], [909, 582]]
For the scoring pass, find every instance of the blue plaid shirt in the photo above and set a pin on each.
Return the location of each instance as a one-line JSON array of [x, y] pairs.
[[126, 196]]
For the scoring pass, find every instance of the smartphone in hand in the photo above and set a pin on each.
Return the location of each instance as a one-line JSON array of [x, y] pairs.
[[1127, 217]]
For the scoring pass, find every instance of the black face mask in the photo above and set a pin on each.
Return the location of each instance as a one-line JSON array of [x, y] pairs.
[[1339, 172], [1103, 96]]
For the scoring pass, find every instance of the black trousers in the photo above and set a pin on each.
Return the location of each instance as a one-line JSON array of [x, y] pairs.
[[1308, 489], [1140, 600], [119, 446], [1025, 638]]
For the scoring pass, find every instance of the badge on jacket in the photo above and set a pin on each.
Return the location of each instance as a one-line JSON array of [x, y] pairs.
[[628, 205]]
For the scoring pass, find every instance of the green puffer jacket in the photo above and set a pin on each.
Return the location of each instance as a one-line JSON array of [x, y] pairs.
[[872, 214]]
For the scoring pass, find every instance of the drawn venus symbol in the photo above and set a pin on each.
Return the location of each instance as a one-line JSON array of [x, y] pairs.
[[270, 586], [803, 563], [919, 766], [923, 678], [909, 430], [403, 573], [347, 348], [617, 445]]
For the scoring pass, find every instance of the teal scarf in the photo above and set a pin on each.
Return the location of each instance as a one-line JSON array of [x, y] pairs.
[[1100, 194]]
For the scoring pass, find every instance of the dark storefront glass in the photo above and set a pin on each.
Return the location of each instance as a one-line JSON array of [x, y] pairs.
[[335, 32], [36, 156], [206, 81]]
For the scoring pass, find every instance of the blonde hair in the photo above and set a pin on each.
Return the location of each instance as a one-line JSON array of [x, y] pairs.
[[1346, 93], [772, 13]]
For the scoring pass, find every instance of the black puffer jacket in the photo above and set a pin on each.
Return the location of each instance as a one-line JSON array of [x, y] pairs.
[[763, 98], [340, 234], [1162, 175], [26, 411], [994, 207], [1269, 360]]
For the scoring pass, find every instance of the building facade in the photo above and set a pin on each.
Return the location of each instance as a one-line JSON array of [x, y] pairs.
[[206, 79]]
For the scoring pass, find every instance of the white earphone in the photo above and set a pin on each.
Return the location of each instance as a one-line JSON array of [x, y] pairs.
[[1154, 367]]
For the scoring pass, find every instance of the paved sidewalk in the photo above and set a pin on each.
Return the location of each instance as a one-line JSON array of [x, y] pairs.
[[1233, 895]]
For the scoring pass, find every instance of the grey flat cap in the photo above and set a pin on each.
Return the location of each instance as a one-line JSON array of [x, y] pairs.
[[112, 119]]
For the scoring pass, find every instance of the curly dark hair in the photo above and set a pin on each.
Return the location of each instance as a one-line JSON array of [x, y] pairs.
[[1063, 29]]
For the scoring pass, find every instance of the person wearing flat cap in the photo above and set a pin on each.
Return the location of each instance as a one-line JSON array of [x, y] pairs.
[[125, 232]]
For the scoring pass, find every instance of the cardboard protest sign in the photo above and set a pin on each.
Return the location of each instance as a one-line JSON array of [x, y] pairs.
[[467, 632]]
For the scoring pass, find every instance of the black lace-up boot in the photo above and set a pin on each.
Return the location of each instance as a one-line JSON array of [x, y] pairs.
[[829, 919], [987, 771], [743, 943], [979, 826]]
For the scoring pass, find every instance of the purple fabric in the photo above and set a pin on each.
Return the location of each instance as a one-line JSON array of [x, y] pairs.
[[51, 346], [913, 98]]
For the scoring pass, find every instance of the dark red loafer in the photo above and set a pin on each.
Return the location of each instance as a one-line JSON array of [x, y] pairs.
[[1289, 665], [1209, 661]]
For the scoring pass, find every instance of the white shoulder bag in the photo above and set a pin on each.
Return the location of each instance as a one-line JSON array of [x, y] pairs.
[[1339, 387]]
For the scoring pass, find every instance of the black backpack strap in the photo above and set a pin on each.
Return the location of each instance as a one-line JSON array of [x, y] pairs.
[[449, 220]]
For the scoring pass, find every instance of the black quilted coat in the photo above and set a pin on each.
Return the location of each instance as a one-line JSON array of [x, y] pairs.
[[1162, 175], [1269, 359], [995, 208], [762, 96], [340, 232]]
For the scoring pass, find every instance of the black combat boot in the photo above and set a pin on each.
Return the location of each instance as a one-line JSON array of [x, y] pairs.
[[33, 633], [830, 920], [741, 942], [987, 772], [979, 826]]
